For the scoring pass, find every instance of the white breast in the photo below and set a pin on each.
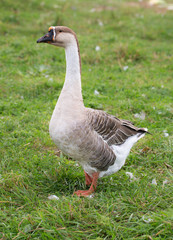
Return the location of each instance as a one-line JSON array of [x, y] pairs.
[[62, 129]]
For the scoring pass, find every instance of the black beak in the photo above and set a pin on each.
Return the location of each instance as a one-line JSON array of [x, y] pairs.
[[47, 38]]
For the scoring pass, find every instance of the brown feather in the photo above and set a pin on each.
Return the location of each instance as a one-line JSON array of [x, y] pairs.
[[112, 129]]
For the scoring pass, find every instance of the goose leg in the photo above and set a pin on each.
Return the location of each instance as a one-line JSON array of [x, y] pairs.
[[88, 179], [92, 188]]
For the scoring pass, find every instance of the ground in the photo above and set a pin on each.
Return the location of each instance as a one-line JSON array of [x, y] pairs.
[[127, 54]]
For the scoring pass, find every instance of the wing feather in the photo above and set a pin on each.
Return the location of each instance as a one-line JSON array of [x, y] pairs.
[[112, 129], [106, 130]]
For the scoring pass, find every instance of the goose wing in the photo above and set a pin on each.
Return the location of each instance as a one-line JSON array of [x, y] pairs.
[[97, 133], [113, 130]]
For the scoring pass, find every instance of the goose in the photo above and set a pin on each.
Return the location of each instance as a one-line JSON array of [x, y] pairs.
[[99, 141]]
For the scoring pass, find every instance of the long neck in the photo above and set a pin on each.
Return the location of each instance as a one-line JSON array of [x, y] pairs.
[[72, 84]]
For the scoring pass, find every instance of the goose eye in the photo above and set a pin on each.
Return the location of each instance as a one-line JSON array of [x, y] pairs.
[[60, 30]]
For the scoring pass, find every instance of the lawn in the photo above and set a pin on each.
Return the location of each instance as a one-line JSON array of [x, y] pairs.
[[127, 70]]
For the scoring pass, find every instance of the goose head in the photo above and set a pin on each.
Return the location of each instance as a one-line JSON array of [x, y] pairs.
[[59, 36]]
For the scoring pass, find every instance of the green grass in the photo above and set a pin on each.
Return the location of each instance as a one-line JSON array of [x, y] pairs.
[[32, 76]]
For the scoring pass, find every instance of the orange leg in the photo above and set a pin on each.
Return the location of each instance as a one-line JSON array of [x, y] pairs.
[[88, 179], [92, 188]]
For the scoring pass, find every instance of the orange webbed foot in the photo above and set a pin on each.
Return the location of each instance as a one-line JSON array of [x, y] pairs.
[[92, 188], [82, 193]]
